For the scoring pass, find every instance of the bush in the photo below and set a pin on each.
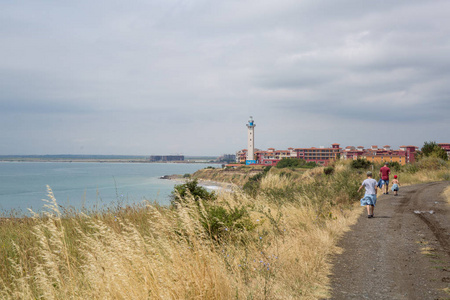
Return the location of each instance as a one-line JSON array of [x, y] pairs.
[[410, 168], [295, 163], [394, 166], [430, 163], [432, 149], [181, 191], [328, 170], [187, 175], [361, 163], [220, 221], [215, 219]]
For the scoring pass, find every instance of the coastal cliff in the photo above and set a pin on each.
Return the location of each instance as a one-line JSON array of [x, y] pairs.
[[237, 176]]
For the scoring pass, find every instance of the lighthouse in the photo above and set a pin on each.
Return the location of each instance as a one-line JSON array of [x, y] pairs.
[[251, 142]]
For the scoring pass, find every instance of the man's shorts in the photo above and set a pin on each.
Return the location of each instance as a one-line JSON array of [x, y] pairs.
[[383, 182]]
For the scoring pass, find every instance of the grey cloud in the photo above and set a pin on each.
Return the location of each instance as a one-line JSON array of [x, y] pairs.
[[154, 72]]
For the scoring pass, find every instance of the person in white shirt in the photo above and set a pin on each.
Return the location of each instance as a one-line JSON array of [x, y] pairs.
[[370, 196]]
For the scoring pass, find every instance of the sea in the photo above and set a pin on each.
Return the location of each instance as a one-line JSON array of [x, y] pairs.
[[86, 185]]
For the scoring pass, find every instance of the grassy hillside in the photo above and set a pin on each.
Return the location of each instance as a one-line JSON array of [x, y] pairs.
[[272, 243], [236, 176]]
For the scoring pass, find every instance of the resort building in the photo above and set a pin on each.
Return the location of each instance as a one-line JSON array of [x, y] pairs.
[[321, 156], [350, 152], [271, 157], [241, 156], [406, 154]]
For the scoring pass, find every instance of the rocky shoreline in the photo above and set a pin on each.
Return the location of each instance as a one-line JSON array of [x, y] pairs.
[[213, 185]]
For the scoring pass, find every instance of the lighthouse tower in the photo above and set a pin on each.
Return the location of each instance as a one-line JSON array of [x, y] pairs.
[[251, 142]]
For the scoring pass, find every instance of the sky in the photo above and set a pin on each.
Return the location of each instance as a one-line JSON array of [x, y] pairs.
[[184, 76]]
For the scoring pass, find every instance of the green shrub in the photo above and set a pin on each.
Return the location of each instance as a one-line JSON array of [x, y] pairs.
[[181, 191], [216, 219], [295, 163], [220, 221], [394, 166], [290, 163], [187, 175], [328, 170], [360, 163], [430, 163], [432, 149]]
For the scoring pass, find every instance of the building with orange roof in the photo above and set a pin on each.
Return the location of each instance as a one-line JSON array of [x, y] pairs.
[[323, 156], [406, 154]]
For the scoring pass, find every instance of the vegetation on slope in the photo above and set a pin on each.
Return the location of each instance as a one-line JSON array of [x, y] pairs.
[[270, 243]]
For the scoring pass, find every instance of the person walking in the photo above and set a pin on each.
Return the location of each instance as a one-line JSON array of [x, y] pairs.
[[395, 185], [384, 174], [370, 197]]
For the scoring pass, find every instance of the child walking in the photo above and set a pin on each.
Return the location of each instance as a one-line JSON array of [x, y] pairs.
[[370, 196], [395, 185]]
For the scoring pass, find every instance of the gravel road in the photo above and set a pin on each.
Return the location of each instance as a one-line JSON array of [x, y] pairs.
[[402, 253]]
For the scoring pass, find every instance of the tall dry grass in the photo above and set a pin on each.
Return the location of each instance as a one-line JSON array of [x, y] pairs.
[[428, 169], [152, 252]]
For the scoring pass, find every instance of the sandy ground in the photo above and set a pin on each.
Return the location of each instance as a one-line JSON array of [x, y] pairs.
[[402, 253]]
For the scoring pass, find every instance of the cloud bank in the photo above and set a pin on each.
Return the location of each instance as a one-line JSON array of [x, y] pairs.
[[182, 77]]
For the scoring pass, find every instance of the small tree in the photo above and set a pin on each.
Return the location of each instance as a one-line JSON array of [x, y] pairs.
[[360, 163], [432, 149], [394, 166]]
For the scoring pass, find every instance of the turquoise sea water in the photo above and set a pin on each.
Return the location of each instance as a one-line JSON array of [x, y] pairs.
[[23, 184]]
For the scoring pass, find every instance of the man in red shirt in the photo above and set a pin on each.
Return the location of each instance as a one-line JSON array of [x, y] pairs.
[[384, 174]]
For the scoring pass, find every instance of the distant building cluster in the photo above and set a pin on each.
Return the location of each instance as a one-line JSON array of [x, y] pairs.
[[404, 155], [166, 158], [322, 155], [272, 156]]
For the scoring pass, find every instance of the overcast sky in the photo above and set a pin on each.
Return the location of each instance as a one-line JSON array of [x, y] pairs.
[[183, 76]]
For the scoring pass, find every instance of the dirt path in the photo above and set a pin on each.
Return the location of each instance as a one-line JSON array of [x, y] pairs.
[[402, 253]]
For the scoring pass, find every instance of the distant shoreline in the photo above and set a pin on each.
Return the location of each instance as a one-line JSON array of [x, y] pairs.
[[108, 161], [98, 159]]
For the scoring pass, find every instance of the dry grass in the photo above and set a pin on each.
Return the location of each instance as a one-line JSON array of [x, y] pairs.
[[447, 194], [426, 170], [151, 252]]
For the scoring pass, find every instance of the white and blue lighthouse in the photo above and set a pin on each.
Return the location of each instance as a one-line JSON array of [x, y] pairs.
[[251, 142]]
